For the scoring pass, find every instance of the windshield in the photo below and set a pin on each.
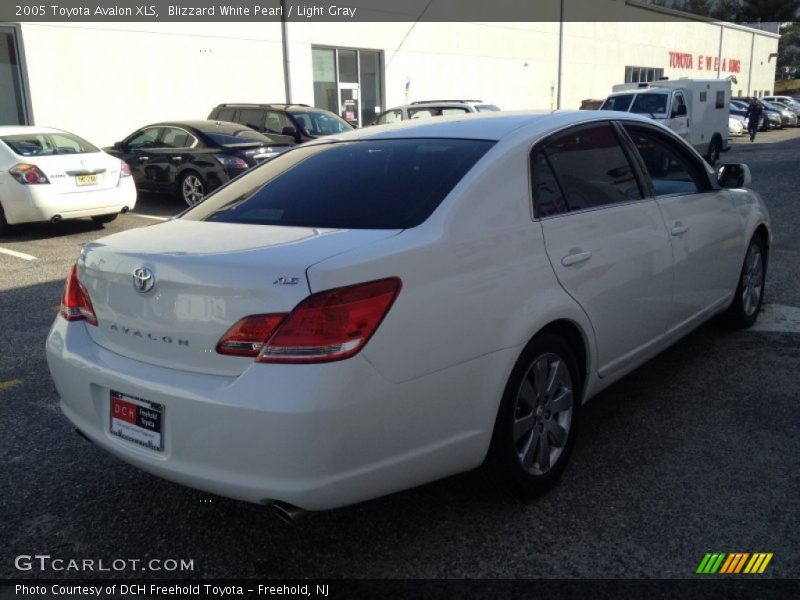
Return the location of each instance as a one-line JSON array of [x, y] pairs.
[[320, 123], [620, 103], [48, 144], [371, 184], [650, 104]]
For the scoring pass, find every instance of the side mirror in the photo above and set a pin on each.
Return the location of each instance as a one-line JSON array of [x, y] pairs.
[[680, 111], [292, 132], [734, 175], [120, 146]]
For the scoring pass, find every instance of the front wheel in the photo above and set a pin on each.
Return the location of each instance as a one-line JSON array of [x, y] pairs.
[[535, 427], [193, 189], [714, 150], [749, 296]]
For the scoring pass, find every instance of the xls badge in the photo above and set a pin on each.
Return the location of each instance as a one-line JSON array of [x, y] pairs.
[[143, 280]]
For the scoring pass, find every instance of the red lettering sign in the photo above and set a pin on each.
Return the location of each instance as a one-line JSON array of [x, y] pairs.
[[685, 60], [124, 411]]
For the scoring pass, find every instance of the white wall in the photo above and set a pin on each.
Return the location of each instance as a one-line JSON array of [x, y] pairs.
[[102, 81]]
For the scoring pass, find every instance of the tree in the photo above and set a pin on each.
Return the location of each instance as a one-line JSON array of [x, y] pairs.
[[789, 46]]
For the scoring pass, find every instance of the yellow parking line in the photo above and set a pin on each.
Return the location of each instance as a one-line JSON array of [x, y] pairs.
[[9, 384]]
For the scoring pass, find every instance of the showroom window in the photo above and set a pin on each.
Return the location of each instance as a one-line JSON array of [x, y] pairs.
[[13, 107], [642, 74], [348, 82]]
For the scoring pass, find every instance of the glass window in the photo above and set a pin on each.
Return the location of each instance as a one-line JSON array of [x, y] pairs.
[[252, 117], [324, 67], [671, 171], [12, 111], [371, 184], [276, 121], [676, 105], [371, 96], [621, 102], [47, 144], [720, 103], [591, 168], [390, 116], [320, 123], [421, 113], [650, 104], [174, 137], [226, 114], [451, 110], [547, 197], [144, 139], [486, 108], [348, 66]]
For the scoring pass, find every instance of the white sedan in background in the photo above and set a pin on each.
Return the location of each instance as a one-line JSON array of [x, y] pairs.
[[49, 175], [382, 308], [736, 126]]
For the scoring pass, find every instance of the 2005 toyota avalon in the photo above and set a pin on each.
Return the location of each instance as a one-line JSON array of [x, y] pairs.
[[377, 310]]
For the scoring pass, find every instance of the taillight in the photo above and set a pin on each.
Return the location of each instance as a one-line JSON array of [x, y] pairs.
[[75, 303], [248, 336], [124, 169], [28, 174], [330, 325], [231, 162]]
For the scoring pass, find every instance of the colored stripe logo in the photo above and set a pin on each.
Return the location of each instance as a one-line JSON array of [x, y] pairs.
[[734, 563]]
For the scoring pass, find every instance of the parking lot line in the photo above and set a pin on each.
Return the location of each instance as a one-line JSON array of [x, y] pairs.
[[16, 254], [155, 218], [8, 384]]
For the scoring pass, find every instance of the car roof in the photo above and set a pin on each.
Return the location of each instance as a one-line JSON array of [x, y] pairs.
[[276, 105], [205, 126], [483, 126], [27, 129]]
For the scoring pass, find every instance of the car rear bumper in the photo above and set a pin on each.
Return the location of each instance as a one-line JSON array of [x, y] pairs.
[[25, 204], [315, 436]]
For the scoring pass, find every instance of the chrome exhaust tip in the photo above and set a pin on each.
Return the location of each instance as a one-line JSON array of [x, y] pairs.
[[286, 512], [56, 219]]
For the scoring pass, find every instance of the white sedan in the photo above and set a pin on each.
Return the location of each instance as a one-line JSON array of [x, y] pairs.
[[380, 309], [49, 175], [736, 126]]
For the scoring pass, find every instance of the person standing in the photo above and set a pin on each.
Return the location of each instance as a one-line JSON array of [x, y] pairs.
[[753, 116]]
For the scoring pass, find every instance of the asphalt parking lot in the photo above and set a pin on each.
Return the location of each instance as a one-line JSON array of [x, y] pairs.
[[697, 451]]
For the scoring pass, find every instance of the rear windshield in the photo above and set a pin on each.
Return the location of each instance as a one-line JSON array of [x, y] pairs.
[[47, 144], [372, 184], [320, 123]]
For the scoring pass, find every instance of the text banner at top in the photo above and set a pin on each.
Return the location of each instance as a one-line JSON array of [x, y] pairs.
[[332, 11]]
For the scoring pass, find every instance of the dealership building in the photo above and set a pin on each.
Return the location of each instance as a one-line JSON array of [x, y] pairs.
[[102, 80]]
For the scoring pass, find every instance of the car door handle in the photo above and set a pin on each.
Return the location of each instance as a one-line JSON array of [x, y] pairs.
[[574, 259], [177, 158], [679, 229], [144, 158]]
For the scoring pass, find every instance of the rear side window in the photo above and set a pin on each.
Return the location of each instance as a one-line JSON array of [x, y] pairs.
[[591, 168], [226, 114], [372, 184]]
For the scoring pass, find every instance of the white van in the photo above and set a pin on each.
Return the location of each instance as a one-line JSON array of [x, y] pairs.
[[695, 109]]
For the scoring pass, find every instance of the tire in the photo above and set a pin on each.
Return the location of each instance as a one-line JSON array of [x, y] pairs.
[[749, 295], [4, 226], [193, 188], [103, 219], [714, 149], [516, 454]]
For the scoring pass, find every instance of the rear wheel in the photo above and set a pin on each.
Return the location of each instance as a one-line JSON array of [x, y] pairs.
[[746, 305], [535, 427], [714, 149], [103, 219], [193, 188]]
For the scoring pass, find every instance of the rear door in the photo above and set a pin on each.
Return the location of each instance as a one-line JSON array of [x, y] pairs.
[[606, 241], [705, 224]]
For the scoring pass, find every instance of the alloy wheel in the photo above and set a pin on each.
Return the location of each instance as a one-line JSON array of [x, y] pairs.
[[752, 280], [543, 413], [193, 189]]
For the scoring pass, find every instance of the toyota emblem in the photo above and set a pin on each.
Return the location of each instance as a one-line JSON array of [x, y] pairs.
[[143, 280]]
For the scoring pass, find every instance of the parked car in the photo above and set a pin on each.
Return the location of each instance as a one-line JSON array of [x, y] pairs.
[[738, 110], [791, 102], [790, 108], [286, 123], [49, 174], [736, 126], [387, 307], [425, 109], [193, 158], [788, 117]]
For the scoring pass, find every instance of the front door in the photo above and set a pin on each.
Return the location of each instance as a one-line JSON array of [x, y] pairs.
[[349, 103], [678, 115]]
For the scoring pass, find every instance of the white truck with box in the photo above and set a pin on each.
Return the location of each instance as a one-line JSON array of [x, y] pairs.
[[695, 109]]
